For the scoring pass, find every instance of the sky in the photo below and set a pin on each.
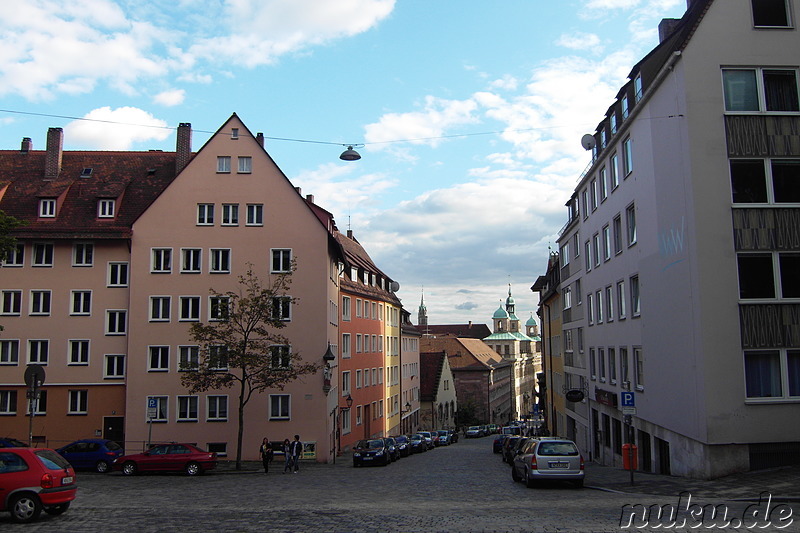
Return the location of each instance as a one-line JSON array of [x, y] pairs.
[[468, 115]]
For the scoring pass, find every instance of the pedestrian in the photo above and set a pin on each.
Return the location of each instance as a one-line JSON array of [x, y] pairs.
[[296, 449], [266, 454], [287, 456]]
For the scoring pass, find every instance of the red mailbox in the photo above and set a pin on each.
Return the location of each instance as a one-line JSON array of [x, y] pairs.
[[630, 456]]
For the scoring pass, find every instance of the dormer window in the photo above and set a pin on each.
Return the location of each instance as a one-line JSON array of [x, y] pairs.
[[106, 208], [86, 173], [612, 122], [637, 88], [47, 207], [354, 273]]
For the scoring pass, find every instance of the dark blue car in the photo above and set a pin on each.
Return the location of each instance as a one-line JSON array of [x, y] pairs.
[[8, 442], [95, 454]]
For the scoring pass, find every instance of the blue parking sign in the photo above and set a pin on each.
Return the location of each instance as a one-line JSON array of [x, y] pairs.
[[627, 399]]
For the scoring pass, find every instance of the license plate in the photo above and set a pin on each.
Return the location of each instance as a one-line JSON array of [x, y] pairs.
[[67, 480], [368, 458], [559, 465]]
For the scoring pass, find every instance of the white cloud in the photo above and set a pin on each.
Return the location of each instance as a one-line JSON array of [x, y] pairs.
[[580, 41], [170, 98], [611, 4], [116, 129]]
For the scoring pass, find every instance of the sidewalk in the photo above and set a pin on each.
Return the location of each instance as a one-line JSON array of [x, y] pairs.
[[782, 483]]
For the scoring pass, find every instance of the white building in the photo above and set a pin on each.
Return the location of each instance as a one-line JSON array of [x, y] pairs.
[[679, 260]]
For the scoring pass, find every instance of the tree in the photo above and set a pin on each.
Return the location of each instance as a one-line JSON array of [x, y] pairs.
[[242, 347], [7, 242]]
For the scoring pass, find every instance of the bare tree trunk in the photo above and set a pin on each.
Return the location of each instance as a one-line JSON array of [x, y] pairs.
[[241, 429]]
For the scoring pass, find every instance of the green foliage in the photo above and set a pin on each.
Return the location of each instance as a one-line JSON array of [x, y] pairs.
[[7, 242]]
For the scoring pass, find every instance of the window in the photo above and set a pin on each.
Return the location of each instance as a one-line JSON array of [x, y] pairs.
[[564, 255], [245, 165], [772, 373], [281, 260], [81, 304], [217, 357], [359, 343], [601, 363], [630, 217], [78, 352], [593, 197], [255, 214], [188, 358], [358, 415], [754, 90], [116, 322], [47, 207], [224, 164], [220, 261], [230, 214], [603, 185], [606, 243], [78, 402], [346, 308], [345, 383], [346, 347], [280, 356], [635, 295], [115, 366], [234, 134], [105, 208], [160, 308], [612, 170], [187, 408], [358, 307], [358, 379], [638, 367], [191, 260], [15, 256], [9, 352], [612, 366], [8, 402], [592, 364], [162, 260], [218, 308], [609, 304], [596, 249], [279, 407], [118, 274], [770, 13], [205, 214], [623, 367], [612, 122], [757, 275], [599, 301], [638, 90], [82, 254], [589, 309], [12, 302], [627, 157], [587, 254], [625, 107], [190, 308], [621, 299], [43, 254], [282, 308], [751, 183], [158, 359], [161, 403], [578, 292], [217, 408], [566, 296], [585, 203], [617, 234], [40, 303]]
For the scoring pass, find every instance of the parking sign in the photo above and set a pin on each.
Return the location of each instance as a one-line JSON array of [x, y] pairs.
[[627, 399], [152, 407]]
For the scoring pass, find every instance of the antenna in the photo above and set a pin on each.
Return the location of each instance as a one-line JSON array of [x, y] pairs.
[[588, 142]]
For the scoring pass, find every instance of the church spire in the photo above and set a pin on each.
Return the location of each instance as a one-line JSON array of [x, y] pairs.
[[422, 314]]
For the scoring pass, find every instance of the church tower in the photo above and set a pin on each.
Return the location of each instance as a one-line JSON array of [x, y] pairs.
[[422, 314]]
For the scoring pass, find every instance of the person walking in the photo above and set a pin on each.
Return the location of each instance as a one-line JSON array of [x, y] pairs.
[[287, 456], [296, 449], [266, 454]]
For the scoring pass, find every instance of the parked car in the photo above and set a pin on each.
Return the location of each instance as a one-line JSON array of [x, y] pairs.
[[394, 451], [515, 449], [403, 445], [508, 445], [32, 480], [497, 443], [174, 457], [8, 442], [428, 438], [511, 430], [453, 435], [444, 437], [418, 443], [97, 454], [548, 459], [371, 451], [474, 432], [493, 428]]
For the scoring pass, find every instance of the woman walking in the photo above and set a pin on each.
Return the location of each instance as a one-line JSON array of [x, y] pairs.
[[266, 454], [287, 456]]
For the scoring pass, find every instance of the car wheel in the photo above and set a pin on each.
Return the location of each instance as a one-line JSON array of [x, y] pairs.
[[530, 482], [102, 467], [514, 474], [129, 468], [57, 509], [25, 508], [193, 469]]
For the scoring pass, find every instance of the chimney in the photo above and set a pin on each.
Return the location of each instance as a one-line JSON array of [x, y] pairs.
[[55, 150], [299, 191], [665, 28], [350, 234], [27, 145], [183, 147], [260, 139], [310, 198]]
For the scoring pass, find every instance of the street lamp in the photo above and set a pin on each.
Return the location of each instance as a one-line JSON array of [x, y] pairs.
[[349, 402]]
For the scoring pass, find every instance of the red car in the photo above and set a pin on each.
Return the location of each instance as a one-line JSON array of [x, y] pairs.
[[172, 457], [32, 479]]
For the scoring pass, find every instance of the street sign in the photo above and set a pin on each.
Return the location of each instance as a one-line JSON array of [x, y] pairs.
[[628, 410], [152, 408], [627, 399]]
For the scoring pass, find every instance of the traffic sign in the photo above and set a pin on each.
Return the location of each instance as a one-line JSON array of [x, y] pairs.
[[152, 407], [627, 399]]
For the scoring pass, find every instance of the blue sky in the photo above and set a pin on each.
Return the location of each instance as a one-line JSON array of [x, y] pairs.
[[470, 113]]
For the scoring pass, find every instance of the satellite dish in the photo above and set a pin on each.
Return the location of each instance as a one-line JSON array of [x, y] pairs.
[[588, 142], [394, 286]]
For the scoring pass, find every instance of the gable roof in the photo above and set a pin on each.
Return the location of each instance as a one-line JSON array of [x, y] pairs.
[[464, 354], [469, 331], [431, 367]]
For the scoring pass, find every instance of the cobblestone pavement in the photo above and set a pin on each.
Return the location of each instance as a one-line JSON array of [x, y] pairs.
[[463, 487]]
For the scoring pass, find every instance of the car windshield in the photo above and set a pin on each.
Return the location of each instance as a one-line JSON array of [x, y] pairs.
[[14, 443], [557, 448], [416, 437], [443, 433], [401, 439], [477, 428], [113, 446], [52, 460], [375, 443]]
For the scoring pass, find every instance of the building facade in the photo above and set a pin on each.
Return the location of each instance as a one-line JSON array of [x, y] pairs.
[[438, 398]]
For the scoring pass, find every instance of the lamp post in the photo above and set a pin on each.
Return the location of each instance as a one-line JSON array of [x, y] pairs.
[[349, 402], [403, 425]]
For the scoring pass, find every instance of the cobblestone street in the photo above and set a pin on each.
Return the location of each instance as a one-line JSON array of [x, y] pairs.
[[463, 487]]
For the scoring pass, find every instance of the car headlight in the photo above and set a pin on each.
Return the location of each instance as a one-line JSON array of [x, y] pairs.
[[357, 454], [379, 453]]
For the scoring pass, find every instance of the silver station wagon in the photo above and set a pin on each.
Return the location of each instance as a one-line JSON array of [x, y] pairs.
[[548, 459]]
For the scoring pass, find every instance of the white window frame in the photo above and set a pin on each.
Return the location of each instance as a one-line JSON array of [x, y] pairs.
[[230, 214], [219, 261], [160, 308], [106, 208], [621, 299], [15, 256], [47, 208], [9, 352], [347, 345], [160, 260], [635, 296], [191, 260], [245, 164], [83, 254], [162, 408], [223, 164], [116, 321], [77, 402], [117, 270], [187, 408], [280, 260], [346, 383], [215, 403], [8, 402], [188, 358], [283, 404], [190, 313], [158, 358], [41, 302], [78, 352], [205, 214], [630, 219], [114, 366], [255, 215], [11, 303], [80, 303], [43, 254], [627, 157], [214, 304]]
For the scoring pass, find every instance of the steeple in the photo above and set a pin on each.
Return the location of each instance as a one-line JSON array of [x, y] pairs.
[[422, 314]]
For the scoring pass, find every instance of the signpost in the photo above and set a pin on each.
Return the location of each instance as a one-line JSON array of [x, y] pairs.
[[628, 405], [34, 379], [152, 411]]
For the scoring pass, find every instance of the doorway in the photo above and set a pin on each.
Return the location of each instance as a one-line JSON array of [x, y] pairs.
[[114, 429]]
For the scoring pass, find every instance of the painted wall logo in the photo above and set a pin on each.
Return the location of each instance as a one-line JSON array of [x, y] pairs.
[[690, 515], [671, 243]]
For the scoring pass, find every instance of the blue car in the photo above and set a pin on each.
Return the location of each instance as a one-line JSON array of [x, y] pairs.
[[95, 454], [8, 442]]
